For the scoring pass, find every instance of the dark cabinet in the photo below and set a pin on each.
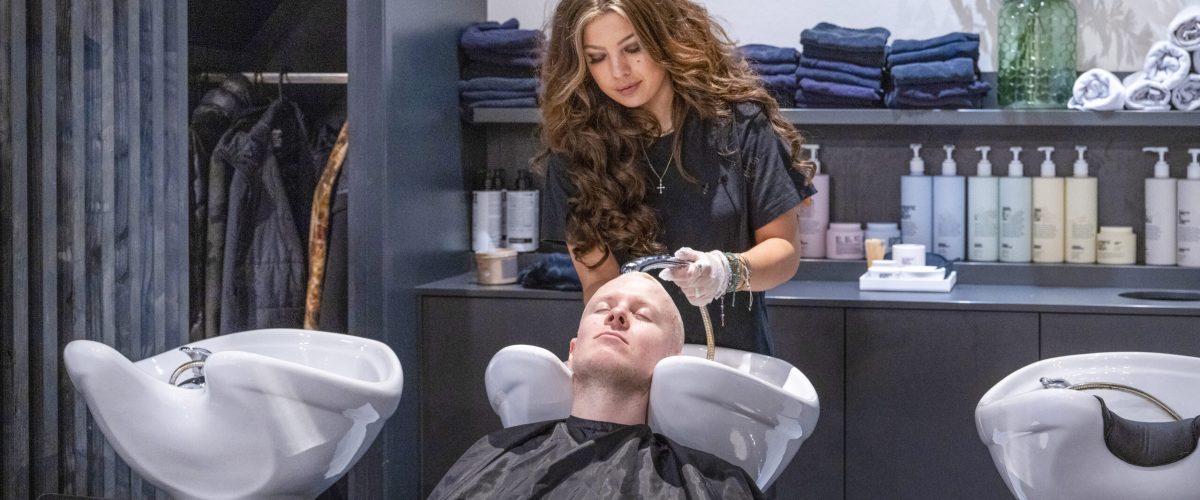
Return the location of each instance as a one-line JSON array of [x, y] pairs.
[[913, 378], [1064, 334]]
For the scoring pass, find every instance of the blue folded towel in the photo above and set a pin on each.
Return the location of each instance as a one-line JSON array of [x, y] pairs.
[[769, 54], [834, 37], [525, 102], [968, 49], [494, 95], [838, 77], [936, 91], [959, 70], [476, 69], [898, 101], [805, 100], [869, 72], [773, 69], [497, 83], [902, 46], [497, 36], [841, 90], [874, 60], [527, 61], [779, 81]]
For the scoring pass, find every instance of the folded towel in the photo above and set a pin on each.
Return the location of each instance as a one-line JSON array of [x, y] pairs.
[[870, 59], [805, 100], [779, 81], [769, 54], [938, 95], [841, 90], [968, 49], [529, 60], [959, 70], [899, 101], [869, 72], [774, 68], [475, 69], [1097, 90], [903, 46], [494, 95], [526, 102], [496, 83], [1187, 95], [1167, 64], [1184, 29], [1144, 94], [834, 37], [838, 77], [493, 35], [784, 98]]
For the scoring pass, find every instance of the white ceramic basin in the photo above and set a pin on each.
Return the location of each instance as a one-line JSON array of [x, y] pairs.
[[1049, 443], [283, 414], [749, 409]]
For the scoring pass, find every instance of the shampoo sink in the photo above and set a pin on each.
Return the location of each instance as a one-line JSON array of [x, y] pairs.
[[277, 413]]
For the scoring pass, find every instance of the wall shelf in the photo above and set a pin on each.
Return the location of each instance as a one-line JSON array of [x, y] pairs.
[[934, 118]]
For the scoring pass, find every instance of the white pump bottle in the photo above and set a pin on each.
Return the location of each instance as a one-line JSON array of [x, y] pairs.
[[814, 212], [1081, 204], [983, 196], [1048, 193], [1016, 201], [916, 203], [1160, 213], [1187, 232], [949, 210]]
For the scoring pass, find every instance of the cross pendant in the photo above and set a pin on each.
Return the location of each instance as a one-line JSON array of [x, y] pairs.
[[661, 187]]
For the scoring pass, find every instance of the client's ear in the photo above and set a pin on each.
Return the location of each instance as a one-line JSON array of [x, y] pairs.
[[570, 352]]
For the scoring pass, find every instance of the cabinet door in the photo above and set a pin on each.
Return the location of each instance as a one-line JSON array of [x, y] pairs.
[[913, 381], [459, 335], [812, 339], [1064, 334]]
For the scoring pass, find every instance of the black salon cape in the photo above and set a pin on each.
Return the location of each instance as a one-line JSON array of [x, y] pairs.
[[577, 458]]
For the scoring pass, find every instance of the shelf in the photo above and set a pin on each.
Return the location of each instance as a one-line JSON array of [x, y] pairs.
[[937, 118]]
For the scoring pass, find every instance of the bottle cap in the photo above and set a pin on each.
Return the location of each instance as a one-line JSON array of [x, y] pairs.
[[812, 154], [1161, 169], [1015, 168], [1048, 164], [948, 165], [1081, 166], [985, 166], [916, 166]]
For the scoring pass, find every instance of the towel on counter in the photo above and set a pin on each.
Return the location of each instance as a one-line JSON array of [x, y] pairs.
[[495, 36], [769, 54], [867, 47], [838, 77], [773, 69], [525, 102], [804, 100], [904, 46], [1143, 94], [779, 81], [494, 95], [1097, 90], [870, 72], [959, 70], [840, 90], [1167, 64], [1184, 29], [498, 83], [939, 95], [968, 49], [1186, 96]]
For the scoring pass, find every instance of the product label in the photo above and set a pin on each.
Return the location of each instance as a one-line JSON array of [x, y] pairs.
[[1012, 223]]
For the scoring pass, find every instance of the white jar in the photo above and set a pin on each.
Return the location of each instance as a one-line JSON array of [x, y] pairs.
[[1116, 245], [887, 232], [844, 241], [908, 254]]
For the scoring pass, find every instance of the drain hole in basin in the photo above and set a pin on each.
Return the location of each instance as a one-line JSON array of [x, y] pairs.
[[1162, 295]]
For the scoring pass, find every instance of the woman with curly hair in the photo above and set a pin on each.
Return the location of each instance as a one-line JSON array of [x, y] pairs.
[[658, 137]]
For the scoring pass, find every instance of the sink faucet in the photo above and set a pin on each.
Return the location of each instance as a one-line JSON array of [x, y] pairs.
[[199, 355]]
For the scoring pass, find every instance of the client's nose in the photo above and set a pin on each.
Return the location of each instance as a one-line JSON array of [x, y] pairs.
[[617, 318]]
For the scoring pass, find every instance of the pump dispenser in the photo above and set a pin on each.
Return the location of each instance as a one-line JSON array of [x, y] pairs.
[[1187, 232], [1016, 201], [916, 202], [1081, 203], [1160, 213], [983, 196], [1048, 193], [814, 212], [949, 210]]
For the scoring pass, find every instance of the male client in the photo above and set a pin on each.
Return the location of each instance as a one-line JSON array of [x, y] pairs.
[[604, 449]]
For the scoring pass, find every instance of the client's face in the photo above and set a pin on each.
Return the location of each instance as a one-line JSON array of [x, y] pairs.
[[627, 328]]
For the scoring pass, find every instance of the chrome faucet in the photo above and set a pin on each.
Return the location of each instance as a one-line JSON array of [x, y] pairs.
[[199, 355]]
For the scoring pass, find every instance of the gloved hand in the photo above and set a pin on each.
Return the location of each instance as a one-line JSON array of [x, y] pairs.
[[704, 279]]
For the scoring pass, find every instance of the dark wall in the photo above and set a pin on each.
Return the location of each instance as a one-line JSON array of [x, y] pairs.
[[264, 35]]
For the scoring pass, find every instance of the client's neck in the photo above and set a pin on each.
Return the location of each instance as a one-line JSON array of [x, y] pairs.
[[605, 403]]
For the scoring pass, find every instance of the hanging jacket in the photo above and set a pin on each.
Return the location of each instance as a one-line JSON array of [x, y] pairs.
[[271, 182]]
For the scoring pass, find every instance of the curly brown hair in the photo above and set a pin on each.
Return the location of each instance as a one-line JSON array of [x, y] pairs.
[[600, 139]]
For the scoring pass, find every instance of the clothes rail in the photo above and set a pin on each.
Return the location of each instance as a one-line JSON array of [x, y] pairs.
[[298, 78]]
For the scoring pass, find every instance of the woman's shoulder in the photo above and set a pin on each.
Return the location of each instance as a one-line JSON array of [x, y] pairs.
[[748, 111]]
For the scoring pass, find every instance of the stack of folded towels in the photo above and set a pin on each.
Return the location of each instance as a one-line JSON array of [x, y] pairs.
[[841, 67], [940, 72], [499, 65], [776, 67]]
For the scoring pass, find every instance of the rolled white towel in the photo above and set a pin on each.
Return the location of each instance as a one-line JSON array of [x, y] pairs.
[[1167, 64], [1184, 30], [1097, 90], [1146, 95], [1187, 95], [1196, 61]]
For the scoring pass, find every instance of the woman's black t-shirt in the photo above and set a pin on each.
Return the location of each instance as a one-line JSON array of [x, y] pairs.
[[744, 180]]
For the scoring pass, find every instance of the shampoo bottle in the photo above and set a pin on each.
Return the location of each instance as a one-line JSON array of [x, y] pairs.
[[949, 210], [1187, 233], [1160, 213], [521, 214], [916, 202], [1016, 200], [983, 196], [487, 205], [1081, 201], [814, 211], [1048, 193]]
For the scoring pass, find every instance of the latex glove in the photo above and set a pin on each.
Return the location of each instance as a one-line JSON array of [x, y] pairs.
[[705, 277]]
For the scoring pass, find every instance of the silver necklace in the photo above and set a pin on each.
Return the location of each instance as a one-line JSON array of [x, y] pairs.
[[660, 186]]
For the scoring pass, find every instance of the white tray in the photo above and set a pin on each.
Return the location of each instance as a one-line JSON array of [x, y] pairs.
[[868, 283]]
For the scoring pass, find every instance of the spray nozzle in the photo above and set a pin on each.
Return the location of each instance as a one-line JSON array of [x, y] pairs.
[[916, 166], [949, 167], [1161, 169], [1047, 164], [812, 154], [1081, 166]]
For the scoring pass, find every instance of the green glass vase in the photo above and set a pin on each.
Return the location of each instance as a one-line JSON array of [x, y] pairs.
[[1037, 54]]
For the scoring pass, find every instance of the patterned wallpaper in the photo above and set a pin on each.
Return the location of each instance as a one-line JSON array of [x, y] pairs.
[[1113, 34]]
